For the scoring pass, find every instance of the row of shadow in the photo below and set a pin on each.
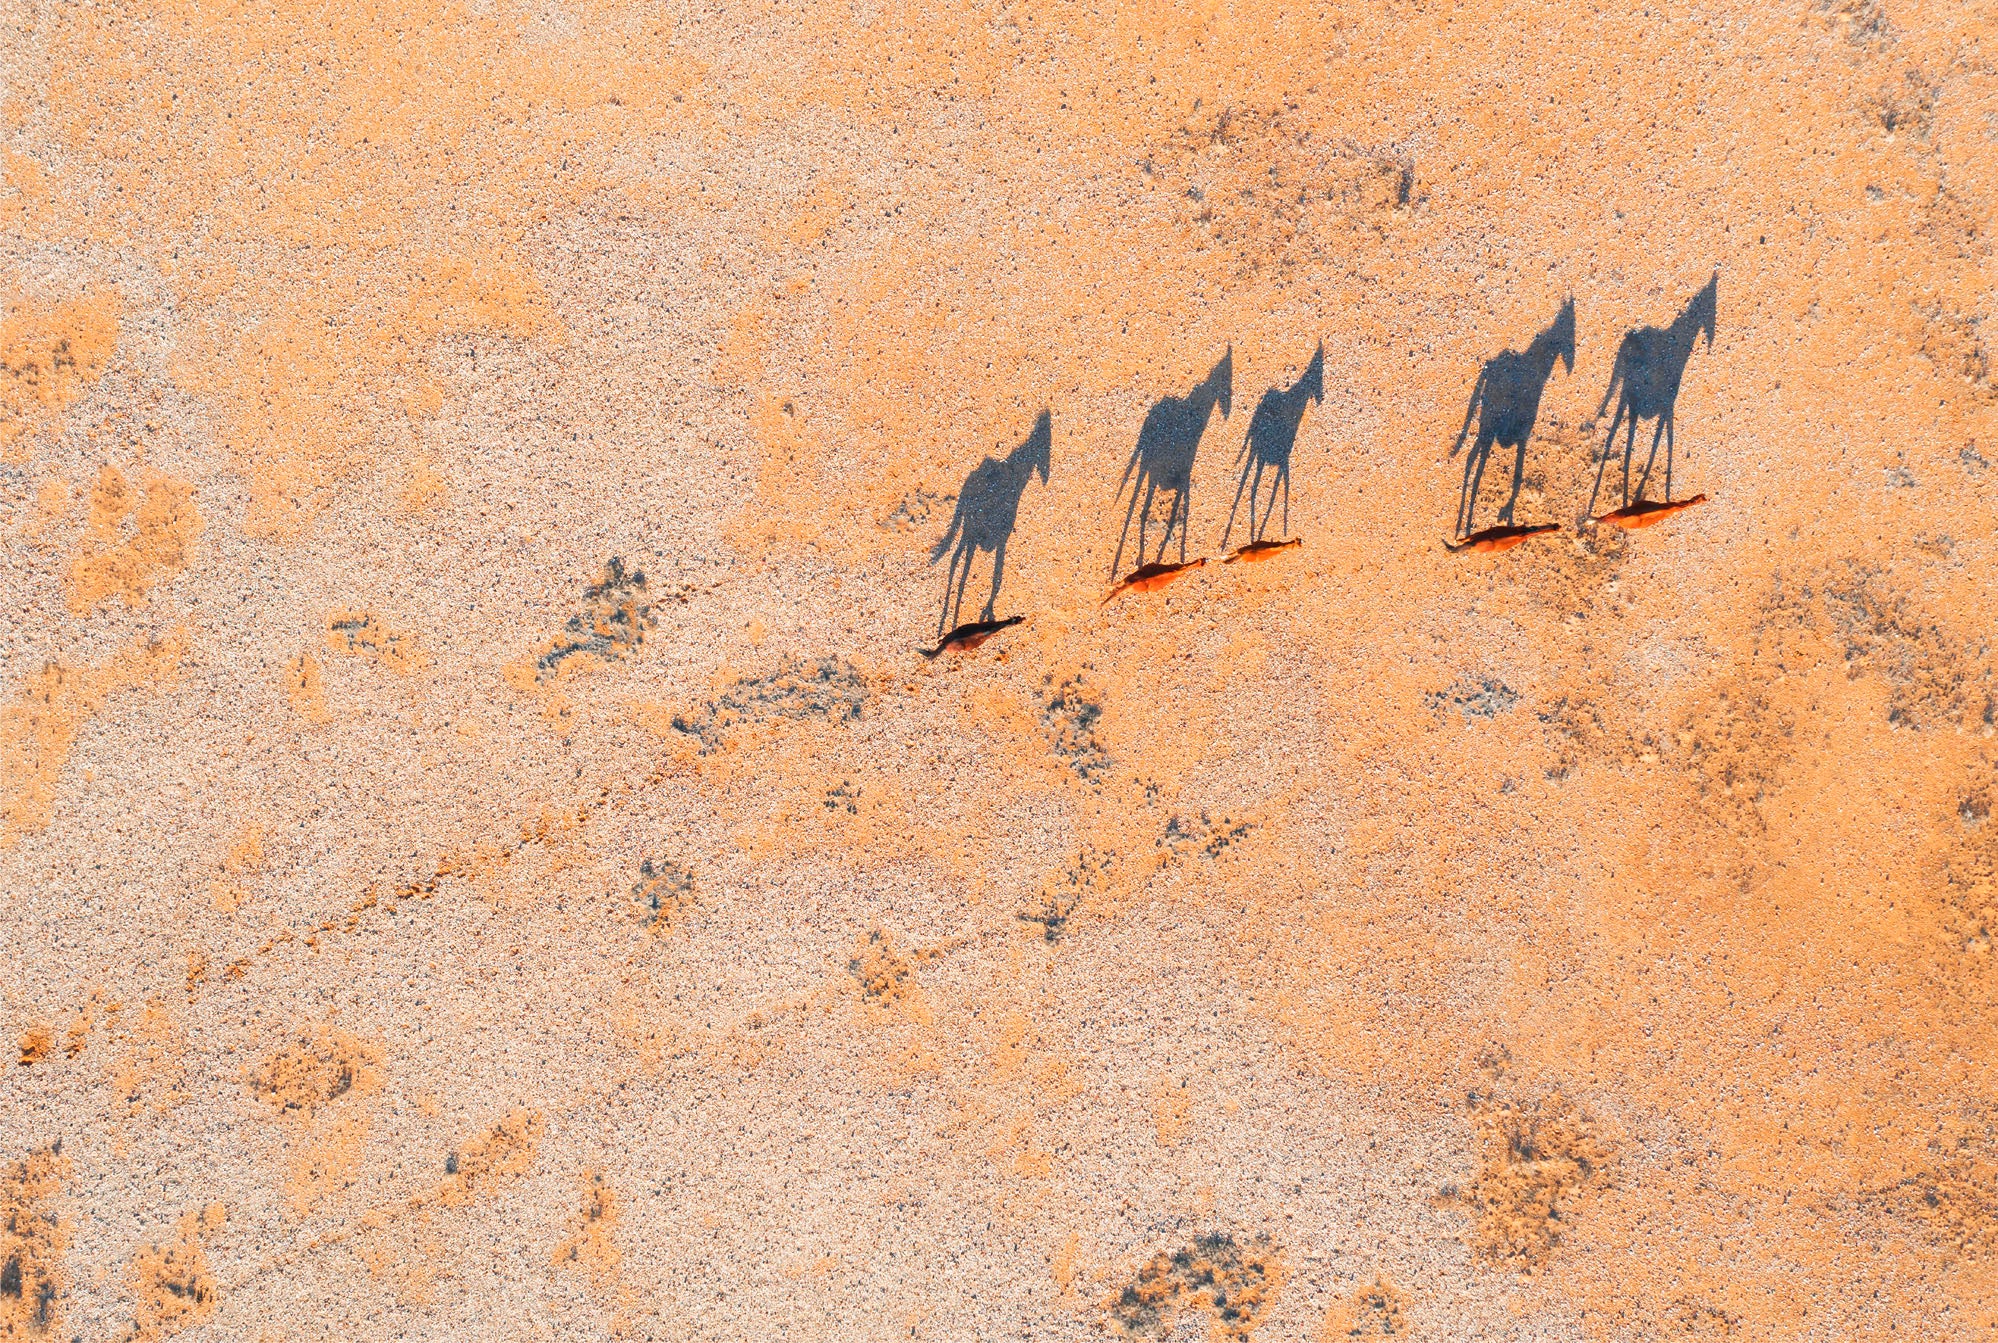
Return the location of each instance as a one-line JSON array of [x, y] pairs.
[[1505, 404]]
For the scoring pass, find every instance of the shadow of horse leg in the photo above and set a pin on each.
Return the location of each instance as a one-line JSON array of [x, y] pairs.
[[1283, 474], [1480, 454], [1145, 517], [1668, 454], [1644, 480], [1518, 480], [1602, 463], [998, 571], [960, 565], [1240, 485], [1117, 560], [1467, 494], [950, 581], [1629, 450]]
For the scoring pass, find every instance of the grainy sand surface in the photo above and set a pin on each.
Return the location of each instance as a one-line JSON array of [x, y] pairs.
[[482, 857]]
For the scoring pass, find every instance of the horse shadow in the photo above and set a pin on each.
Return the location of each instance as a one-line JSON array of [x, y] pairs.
[[1268, 444], [988, 509], [1506, 403], [1650, 363], [1163, 460]]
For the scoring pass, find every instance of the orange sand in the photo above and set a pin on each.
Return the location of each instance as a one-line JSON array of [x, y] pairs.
[[413, 923]]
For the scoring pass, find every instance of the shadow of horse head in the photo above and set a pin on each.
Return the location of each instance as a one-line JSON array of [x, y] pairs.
[[988, 509], [1561, 333]]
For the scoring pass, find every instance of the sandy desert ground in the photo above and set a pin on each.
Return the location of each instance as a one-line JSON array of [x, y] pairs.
[[483, 857]]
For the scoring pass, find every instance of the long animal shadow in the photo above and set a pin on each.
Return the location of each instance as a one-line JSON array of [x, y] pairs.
[[988, 509], [1267, 446], [1506, 403], [1650, 363], [1163, 460]]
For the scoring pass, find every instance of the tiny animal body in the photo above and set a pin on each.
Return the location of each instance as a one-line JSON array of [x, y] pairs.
[[1151, 577], [1258, 551], [1643, 513], [967, 637], [1501, 538]]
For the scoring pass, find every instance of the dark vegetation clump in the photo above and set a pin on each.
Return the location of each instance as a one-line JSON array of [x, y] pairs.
[[1233, 1284], [612, 623], [1070, 714], [1482, 697], [830, 688]]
